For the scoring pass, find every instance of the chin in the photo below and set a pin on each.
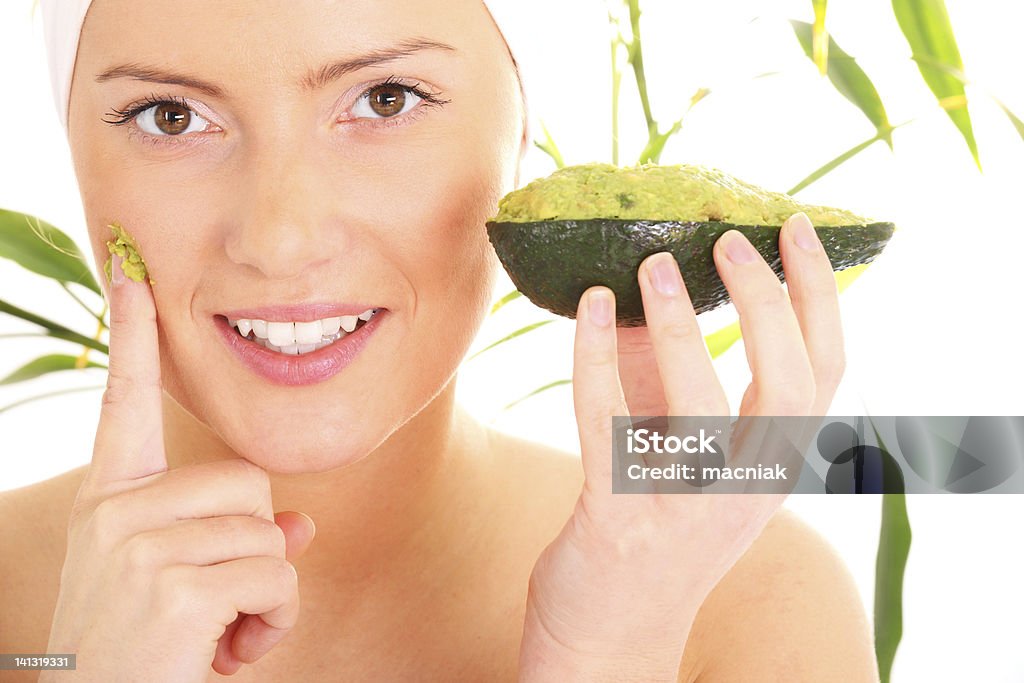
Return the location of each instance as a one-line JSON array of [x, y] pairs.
[[301, 445]]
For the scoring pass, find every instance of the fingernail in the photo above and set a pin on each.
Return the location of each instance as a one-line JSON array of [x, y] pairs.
[[738, 248], [663, 272], [311, 522], [599, 306], [116, 274], [803, 232]]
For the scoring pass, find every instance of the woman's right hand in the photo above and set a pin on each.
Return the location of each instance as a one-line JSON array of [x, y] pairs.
[[168, 572]]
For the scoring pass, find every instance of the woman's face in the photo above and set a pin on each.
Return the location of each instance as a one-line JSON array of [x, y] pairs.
[[264, 177]]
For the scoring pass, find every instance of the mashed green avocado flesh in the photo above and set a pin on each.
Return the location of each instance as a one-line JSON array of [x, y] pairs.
[[124, 245], [687, 192]]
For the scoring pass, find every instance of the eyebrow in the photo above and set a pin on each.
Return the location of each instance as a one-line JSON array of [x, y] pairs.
[[314, 79]]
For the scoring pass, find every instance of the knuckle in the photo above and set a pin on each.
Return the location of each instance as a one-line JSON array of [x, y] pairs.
[[705, 405], [175, 592], [771, 297], [791, 400], [140, 553], [598, 357], [598, 423], [824, 293], [679, 329], [116, 390], [285, 576], [121, 385], [106, 522], [274, 536]]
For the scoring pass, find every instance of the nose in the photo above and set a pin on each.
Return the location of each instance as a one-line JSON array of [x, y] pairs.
[[284, 221]]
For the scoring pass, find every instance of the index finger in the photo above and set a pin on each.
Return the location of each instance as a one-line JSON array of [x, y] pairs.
[[596, 388], [129, 439]]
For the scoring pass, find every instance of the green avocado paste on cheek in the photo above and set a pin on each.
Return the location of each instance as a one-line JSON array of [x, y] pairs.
[[124, 245], [686, 192]]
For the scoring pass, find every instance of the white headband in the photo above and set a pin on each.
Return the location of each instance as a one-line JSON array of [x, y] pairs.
[[63, 19]]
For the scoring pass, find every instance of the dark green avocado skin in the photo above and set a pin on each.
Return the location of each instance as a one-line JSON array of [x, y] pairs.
[[553, 262]]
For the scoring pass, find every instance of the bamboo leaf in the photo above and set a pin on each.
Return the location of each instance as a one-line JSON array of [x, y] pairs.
[[849, 79], [890, 565], [926, 26], [847, 276], [521, 331], [45, 365], [511, 296], [820, 48], [98, 316], [41, 248], [719, 341], [548, 146], [549, 385], [53, 329], [959, 75], [1017, 123], [832, 165]]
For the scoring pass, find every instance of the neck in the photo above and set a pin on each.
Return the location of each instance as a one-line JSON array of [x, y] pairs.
[[406, 508]]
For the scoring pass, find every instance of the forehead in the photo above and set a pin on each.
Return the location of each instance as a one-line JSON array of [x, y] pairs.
[[274, 39]]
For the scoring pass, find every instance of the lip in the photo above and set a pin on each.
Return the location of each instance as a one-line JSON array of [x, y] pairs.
[[308, 368], [302, 313]]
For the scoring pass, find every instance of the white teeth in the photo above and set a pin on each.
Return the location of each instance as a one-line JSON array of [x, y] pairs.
[[308, 333], [330, 326], [348, 322], [281, 334], [294, 338]]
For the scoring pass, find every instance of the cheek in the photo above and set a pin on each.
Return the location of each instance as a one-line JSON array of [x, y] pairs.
[[165, 218], [162, 210], [452, 257]]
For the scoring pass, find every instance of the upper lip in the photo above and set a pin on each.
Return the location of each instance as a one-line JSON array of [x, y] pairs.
[[298, 312]]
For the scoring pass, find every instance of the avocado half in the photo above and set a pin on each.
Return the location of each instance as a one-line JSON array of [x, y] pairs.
[[593, 224]]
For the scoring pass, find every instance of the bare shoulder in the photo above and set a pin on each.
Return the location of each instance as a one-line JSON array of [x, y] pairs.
[[787, 611], [34, 521], [543, 469]]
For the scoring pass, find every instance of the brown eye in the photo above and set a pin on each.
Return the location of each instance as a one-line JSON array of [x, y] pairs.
[[167, 119], [387, 100], [171, 118]]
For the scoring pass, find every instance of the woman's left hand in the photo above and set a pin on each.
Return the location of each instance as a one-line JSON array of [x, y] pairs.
[[613, 597]]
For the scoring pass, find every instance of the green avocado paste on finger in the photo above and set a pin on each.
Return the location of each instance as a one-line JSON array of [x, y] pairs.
[[124, 245], [686, 192]]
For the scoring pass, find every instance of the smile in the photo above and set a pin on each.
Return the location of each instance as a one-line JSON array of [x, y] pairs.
[[297, 352], [298, 338]]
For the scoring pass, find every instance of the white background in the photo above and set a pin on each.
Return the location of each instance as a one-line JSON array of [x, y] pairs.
[[933, 327]]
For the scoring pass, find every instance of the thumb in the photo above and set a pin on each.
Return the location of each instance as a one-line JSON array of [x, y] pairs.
[[299, 531]]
